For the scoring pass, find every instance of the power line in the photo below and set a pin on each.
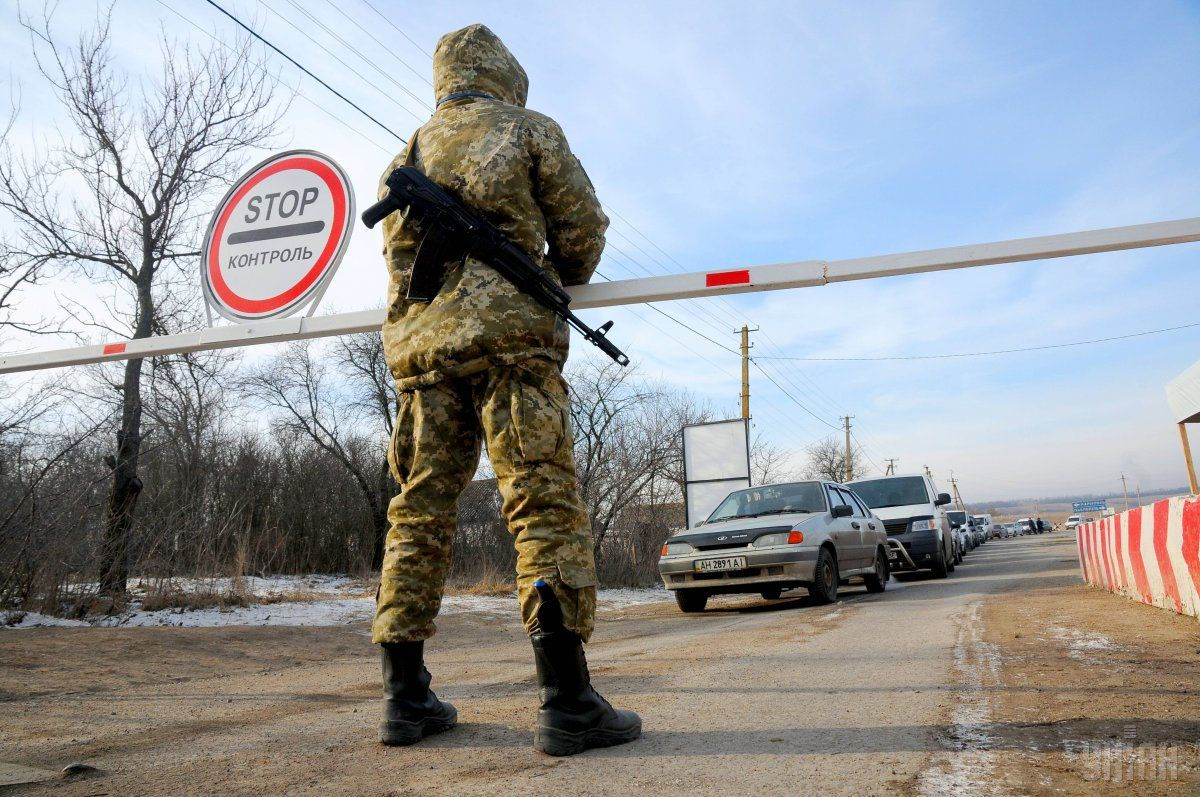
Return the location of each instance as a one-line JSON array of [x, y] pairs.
[[336, 36], [303, 69], [264, 69], [691, 329], [866, 453], [330, 53], [990, 353], [370, 35], [393, 24], [795, 401]]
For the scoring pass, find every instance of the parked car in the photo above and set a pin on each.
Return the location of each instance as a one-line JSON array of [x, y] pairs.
[[1073, 522], [811, 534], [1027, 526], [1002, 531], [986, 527], [918, 530], [961, 523]]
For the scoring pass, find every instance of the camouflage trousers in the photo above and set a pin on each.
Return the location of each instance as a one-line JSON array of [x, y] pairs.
[[521, 412]]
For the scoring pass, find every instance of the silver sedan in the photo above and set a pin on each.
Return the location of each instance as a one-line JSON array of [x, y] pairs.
[[812, 534]]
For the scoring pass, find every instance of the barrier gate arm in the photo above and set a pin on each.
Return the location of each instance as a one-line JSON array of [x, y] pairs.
[[780, 276]]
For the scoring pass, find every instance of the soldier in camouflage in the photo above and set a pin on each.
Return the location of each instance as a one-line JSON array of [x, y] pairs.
[[482, 363]]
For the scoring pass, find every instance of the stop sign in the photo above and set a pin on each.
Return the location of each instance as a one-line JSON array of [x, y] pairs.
[[277, 236]]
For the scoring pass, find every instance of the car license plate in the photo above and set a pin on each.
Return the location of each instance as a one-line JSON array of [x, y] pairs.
[[719, 565]]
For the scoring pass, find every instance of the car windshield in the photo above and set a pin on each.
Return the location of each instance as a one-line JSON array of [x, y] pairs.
[[900, 491], [771, 499]]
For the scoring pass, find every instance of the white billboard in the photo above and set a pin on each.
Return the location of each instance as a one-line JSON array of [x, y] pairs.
[[716, 461], [1183, 394]]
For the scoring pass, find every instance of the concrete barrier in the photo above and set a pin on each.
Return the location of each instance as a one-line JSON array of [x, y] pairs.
[[1150, 554]]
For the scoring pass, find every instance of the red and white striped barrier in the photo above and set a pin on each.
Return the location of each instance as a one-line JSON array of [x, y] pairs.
[[1150, 554]]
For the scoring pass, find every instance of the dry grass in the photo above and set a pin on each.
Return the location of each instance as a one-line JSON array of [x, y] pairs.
[[308, 596], [490, 585], [178, 599]]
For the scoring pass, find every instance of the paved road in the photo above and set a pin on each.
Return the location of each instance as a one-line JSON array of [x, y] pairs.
[[874, 695]]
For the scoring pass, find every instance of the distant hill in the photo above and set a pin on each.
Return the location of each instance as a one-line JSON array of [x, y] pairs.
[[1057, 508]]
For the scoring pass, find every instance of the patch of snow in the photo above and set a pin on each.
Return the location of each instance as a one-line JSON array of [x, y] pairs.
[[624, 597], [1083, 645], [968, 769], [35, 620], [322, 612]]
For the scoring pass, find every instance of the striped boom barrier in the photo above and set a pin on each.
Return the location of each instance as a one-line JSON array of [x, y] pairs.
[[1150, 554]]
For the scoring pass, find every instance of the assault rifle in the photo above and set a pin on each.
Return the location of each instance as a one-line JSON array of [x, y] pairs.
[[449, 232]]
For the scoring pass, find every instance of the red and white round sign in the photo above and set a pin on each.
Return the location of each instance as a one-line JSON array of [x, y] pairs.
[[277, 236]]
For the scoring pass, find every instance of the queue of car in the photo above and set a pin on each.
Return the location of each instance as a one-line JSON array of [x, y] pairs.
[[818, 535]]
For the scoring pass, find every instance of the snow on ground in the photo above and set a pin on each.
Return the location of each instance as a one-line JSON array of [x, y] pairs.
[[1083, 645], [345, 604]]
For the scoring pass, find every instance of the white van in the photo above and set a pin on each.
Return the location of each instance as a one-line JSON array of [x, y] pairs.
[[919, 533]]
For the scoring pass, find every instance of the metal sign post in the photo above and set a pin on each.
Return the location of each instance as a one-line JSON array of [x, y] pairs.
[[804, 274]]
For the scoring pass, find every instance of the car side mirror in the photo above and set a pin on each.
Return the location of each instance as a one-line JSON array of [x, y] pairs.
[[942, 499], [841, 510]]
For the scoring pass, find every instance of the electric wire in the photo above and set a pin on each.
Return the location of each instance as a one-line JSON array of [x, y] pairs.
[[1046, 347], [328, 52], [265, 70], [799, 404], [386, 74], [303, 69], [371, 36], [866, 453], [393, 24]]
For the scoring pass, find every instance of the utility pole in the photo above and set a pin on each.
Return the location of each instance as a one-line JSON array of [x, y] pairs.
[[891, 468], [928, 472], [1139, 494], [957, 496], [1125, 487], [746, 346], [849, 452]]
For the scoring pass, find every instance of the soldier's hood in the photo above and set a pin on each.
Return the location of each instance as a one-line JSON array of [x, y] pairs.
[[474, 59]]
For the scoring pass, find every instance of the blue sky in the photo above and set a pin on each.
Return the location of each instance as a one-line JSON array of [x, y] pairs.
[[733, 135]]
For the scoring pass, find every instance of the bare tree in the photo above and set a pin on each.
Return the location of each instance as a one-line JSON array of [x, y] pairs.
[[827, 460], [139, 159], [312, 406], [769, 464]]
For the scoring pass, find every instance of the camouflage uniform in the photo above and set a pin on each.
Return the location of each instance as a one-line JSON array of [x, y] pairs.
[[483, 361]]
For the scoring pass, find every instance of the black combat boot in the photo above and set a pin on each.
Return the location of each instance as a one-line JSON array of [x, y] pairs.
[[410, 710], [573, 716]]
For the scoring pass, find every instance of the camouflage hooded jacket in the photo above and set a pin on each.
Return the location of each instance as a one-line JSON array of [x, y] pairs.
[[512, 166]]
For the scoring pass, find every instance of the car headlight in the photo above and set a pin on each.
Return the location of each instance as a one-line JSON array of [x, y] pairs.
[[924, 525], [677, 549], [793, 537]]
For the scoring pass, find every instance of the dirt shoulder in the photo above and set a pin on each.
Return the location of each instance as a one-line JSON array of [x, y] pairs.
[[1009, 678], [1093, 694]]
